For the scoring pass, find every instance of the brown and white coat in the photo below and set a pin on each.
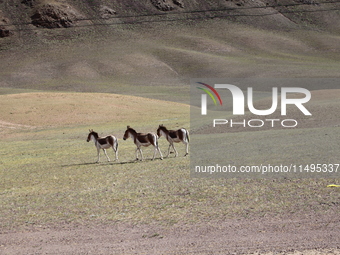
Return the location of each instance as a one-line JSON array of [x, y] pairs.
[[174, 136], [103, 143], [141, 139]]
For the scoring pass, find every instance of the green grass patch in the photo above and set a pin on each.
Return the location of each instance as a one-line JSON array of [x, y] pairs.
[[52, 179]]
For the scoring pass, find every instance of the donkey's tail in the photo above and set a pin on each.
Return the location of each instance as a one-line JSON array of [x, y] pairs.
[[116, 145], [187, 133]]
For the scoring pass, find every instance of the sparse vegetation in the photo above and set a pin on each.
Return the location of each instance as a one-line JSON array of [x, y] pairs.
[[48, 174], [110, 71]]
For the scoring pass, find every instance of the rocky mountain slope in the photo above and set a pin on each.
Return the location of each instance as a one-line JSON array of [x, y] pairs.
[[19, 15], [132, 46]]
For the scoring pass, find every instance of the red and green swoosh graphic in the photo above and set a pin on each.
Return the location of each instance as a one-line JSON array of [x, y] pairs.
[[211, 94]]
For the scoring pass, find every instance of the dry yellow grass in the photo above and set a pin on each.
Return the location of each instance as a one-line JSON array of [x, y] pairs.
[[69, 109]]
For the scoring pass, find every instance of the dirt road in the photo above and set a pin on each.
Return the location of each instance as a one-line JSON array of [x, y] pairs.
[[317, 234]]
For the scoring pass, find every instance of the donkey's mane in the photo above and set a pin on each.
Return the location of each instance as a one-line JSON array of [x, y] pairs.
[[131, 129], [95, 134], [163, 127]]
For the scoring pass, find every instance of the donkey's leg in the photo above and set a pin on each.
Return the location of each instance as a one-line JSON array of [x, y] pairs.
[[115, 149], [113, 142], [154, 152], [116, 153], [108, 159], [168, 150], [176, 153], [157, 149], [186, 148], [185, 140], [160, 153], [98, 155], [141, 154], [171, 144]]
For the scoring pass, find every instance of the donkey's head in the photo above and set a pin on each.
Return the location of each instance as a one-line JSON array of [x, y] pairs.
[[127, 133], [92, 133], [160, 129]]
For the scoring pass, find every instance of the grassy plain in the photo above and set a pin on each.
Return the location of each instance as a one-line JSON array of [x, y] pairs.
[[104, 82], [48, 176]]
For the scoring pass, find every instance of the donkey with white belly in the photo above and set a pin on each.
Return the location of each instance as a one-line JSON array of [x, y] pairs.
[[141, 139], [103, 143], [174, 136]]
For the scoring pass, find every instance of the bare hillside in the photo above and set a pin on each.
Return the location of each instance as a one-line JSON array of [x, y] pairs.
[[23, 17], [113, 46]]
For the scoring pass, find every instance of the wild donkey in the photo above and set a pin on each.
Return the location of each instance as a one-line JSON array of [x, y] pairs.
[[174, 136], [103, 143], [141, 139]]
